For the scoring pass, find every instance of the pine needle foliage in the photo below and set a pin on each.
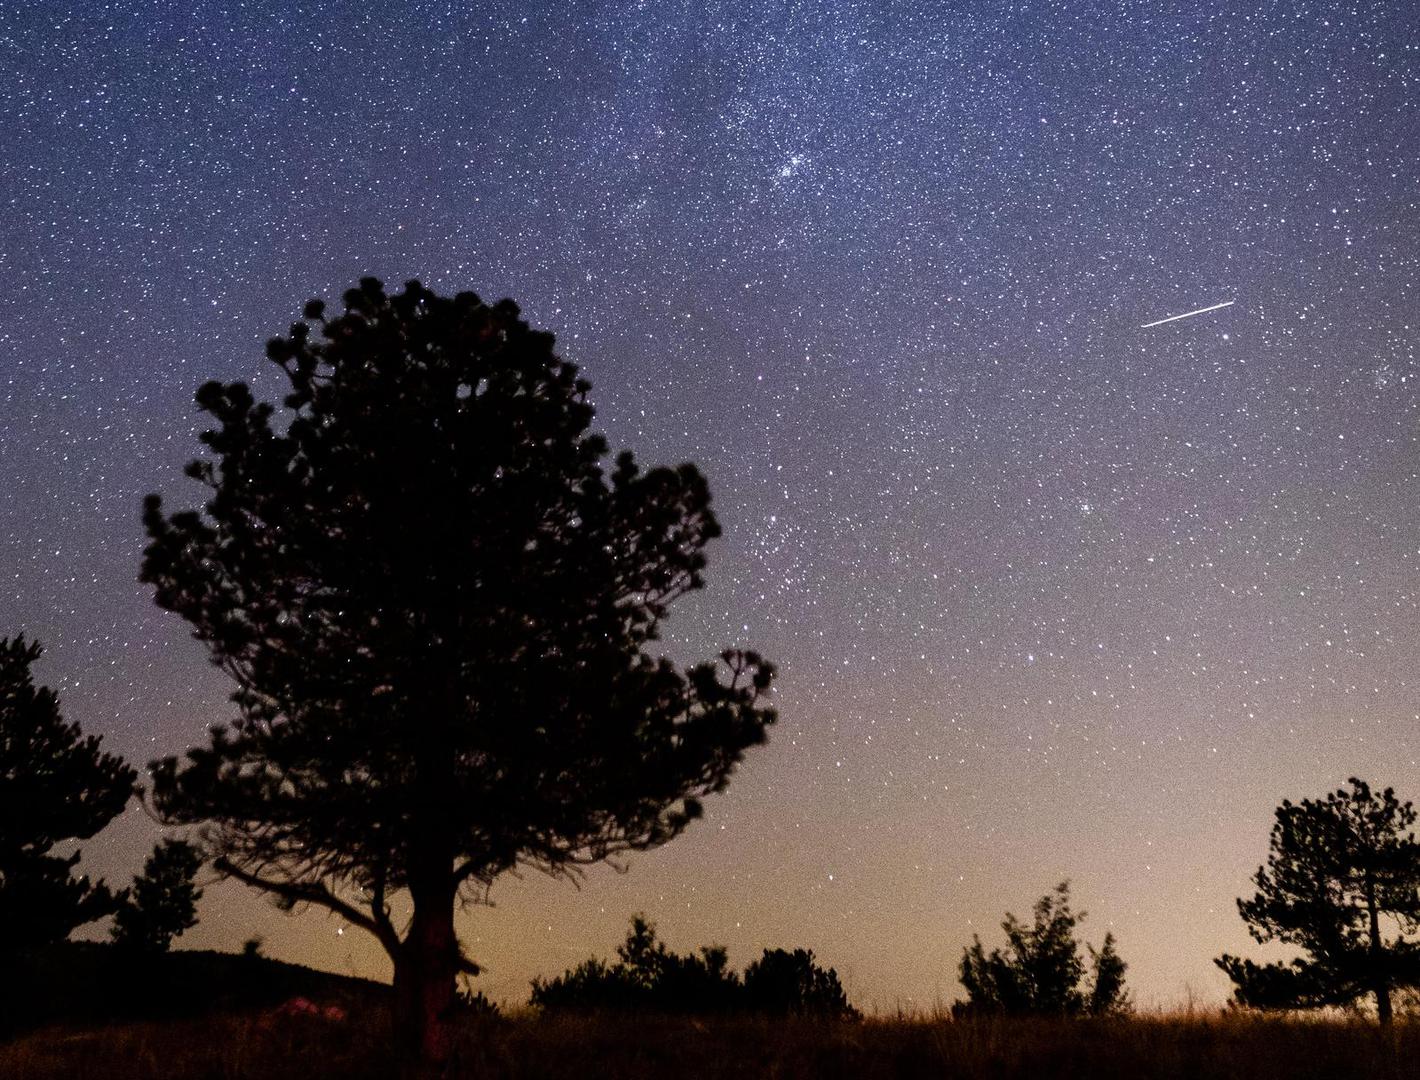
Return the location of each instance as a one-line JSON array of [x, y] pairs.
[[162, 901], [1342, 884], [438, 602], [56, 785]]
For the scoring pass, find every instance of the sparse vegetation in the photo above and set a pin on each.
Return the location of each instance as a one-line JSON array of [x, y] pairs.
[[1211, 1046], [649, 977]]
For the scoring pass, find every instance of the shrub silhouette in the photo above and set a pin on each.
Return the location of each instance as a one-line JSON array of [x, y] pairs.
[[1040, 972], [1107, 991], [650, 977], [647, 975], [790, 983], [162, 902], [468, 1003]]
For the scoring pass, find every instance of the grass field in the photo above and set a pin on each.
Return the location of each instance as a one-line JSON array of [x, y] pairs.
[[1194, 1047]]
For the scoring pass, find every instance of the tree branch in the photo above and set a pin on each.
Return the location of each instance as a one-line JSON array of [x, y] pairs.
[[298, 892], [379, 909], [469, 869]]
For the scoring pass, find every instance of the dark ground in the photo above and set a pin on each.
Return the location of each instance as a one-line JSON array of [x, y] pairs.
[[1194, 1047], [83, 985]]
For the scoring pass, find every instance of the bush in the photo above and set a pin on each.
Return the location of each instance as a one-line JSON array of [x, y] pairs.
[[783, 983], [647, 976], [650, 977], [467, 1003], [1040, 971]]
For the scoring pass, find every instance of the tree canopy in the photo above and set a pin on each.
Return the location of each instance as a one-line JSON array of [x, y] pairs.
[[1040, 971], [55, 785], [437, 603], [1342, 883]]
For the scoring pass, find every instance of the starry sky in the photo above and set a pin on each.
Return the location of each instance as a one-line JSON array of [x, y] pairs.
[[1053, 596]]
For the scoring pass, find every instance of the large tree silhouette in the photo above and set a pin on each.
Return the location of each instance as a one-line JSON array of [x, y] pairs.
[[1342, 883], [436, 603], [55, 785]]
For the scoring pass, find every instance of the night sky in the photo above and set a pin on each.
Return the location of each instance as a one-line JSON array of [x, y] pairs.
[[1052, 595]]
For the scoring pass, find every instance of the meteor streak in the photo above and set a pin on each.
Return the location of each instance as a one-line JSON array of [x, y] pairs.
[[1188, 314]]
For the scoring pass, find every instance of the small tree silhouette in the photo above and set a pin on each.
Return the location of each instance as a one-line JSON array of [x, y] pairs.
[[55, 785], [162, 902], [1041, 972], [1341, 872], [1107, 992]]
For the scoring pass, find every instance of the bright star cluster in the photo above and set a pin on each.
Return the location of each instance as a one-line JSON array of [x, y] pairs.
[[1053, 595]]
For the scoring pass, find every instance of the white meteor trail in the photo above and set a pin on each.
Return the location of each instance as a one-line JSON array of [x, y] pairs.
[[1188, 314]]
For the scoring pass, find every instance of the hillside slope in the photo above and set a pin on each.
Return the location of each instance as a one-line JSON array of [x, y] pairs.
[[90, 983]]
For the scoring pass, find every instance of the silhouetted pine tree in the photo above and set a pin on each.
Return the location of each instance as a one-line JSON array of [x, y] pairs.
[[55, 785], [437, 605], [1341, 872], [162, 901], [1040, 971]]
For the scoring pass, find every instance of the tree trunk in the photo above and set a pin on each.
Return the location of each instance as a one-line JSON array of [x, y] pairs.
[[424, 978], [1380, 976], [1383, 1013], [424, 981]]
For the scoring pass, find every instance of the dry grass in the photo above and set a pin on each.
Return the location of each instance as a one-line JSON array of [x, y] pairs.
[[1195, 1047]]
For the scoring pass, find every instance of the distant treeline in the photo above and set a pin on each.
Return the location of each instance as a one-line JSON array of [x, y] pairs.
[[649, 977]]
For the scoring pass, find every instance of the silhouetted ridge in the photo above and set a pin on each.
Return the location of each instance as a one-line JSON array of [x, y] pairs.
[[90, 983]]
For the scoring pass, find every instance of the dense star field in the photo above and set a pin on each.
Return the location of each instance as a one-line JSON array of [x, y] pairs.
[[1053, 594]]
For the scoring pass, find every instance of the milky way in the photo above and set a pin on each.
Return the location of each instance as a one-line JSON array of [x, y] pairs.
[[1053, 595]]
